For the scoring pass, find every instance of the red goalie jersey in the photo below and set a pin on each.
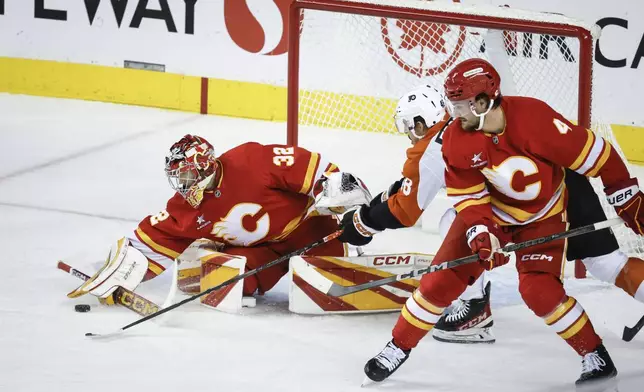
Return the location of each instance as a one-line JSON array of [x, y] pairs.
[[263, 196], [517, 176]]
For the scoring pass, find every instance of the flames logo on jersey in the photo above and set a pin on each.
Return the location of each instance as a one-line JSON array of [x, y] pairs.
[[422, 48], [243, 226]]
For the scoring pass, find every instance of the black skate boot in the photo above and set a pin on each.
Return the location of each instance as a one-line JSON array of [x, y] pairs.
[[468, 321], [597, 369], [384, 364]]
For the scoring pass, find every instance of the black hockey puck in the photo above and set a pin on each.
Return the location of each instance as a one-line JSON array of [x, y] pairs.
[[82, 308]]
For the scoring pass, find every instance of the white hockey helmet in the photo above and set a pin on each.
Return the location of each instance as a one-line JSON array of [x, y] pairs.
[[424, 101]]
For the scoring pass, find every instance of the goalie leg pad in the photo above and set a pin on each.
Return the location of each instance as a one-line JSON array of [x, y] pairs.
[[190, 261], [311, 277], [216, 269]]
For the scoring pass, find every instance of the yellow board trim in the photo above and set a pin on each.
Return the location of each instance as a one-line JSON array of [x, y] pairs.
[[225, 97], [100, 83], [246, 99], [630, 140]]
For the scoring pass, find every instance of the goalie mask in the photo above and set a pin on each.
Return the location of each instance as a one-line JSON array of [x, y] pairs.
[[425, 102], [190, 167], [465, 82]]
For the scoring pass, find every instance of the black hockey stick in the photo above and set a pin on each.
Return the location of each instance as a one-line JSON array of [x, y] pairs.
[[629, 333], [335, 290], [234, 279], [122, 296]]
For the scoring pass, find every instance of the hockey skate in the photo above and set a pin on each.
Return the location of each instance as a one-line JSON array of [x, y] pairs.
[[385, 363], [597, 371], [467, 321]]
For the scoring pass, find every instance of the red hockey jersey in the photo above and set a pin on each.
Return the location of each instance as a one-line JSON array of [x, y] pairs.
[[263, 194], [517, 177]]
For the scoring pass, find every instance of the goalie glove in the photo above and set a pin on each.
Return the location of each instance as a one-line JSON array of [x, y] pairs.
[[339, 192], [482, 240], [356, 229], [628, 201], [125, 267]]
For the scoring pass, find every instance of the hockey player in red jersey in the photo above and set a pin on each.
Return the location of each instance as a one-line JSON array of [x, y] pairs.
[[505, 160], [254, 200]]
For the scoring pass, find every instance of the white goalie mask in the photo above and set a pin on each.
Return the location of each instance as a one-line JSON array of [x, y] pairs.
[[424, 101]]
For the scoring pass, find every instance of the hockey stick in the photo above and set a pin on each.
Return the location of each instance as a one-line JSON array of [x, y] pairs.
[[629, 333], [234, 279], [336, 290], [122, 296]]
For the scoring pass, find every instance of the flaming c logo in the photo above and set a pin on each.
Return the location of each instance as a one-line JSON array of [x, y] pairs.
[[422, 48], [254, 25]]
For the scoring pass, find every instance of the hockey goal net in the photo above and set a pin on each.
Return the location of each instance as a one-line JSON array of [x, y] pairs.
[[349, 62]]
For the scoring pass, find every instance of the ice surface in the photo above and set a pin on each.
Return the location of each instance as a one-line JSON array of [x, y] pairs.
[[76, 175]]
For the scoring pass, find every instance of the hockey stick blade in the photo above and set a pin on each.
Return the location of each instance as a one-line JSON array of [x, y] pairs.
[[337, 290], [232, 280], [629, 333], [104, 335]]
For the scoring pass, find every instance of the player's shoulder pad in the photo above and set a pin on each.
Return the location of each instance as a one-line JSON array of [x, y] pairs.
[[459, 145], [522, 105], [242, 154]]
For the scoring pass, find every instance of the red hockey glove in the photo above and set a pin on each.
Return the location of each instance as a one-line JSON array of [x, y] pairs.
[[628, 201], [485, 243]]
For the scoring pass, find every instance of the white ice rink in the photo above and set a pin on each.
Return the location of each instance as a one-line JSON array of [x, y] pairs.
[[74, 176]]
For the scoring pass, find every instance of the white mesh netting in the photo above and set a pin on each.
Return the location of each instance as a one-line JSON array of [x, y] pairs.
[[383, 57]]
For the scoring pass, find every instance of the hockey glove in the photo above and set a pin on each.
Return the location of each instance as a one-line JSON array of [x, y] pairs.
[[628, 201], [482, 240], [338, 192], [356, 231]]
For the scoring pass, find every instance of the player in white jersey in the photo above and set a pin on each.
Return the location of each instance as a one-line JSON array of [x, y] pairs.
[[421, 115]]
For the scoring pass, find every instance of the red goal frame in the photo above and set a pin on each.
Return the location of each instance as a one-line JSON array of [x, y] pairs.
[[584, 36]]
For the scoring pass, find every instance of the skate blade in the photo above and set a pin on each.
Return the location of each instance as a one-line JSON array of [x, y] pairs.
[[366, 382], [470, 336], [607, 385]]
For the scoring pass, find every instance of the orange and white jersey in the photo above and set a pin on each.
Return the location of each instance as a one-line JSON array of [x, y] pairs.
[[517, 176], [423, 174], [264, 192]]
